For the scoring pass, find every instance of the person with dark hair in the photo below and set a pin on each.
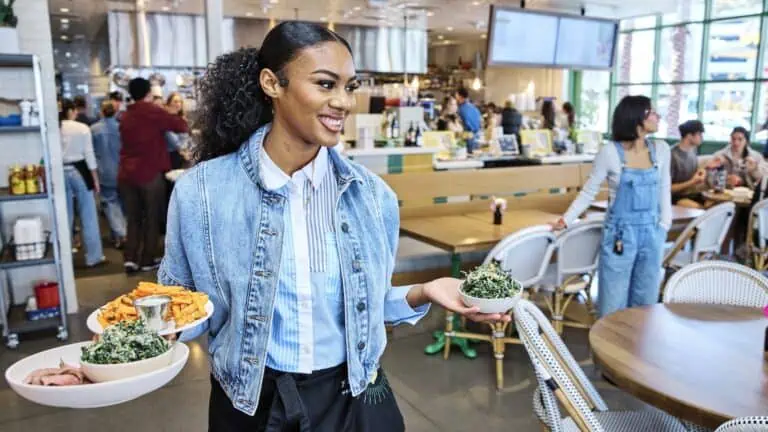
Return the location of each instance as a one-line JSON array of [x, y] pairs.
[[106, 146], [470, 117], [81, 180], [449, 119], [143, 162], [570, 116], [81, 106], [744, 166], [511, 120], [294, 244], [688, 180], [548, 114], [639, 212], [117, 100]]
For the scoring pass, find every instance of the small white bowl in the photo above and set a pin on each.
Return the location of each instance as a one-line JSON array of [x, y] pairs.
[[490, 306], [112, 372]]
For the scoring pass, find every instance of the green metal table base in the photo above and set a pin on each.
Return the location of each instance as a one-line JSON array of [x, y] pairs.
[[439, 344]]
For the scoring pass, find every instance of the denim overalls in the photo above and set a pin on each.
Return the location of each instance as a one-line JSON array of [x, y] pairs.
[[629, 273]]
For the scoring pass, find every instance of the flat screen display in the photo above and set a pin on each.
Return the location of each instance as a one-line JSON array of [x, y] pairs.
[[586, 43], [520, 37]]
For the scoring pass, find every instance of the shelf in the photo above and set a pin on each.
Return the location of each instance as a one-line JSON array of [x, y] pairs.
[[7, 261], [19, 129], [6, 196], [16, 60], [18, 323]]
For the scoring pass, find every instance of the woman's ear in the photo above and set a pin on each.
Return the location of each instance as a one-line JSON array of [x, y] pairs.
[[270, 83]]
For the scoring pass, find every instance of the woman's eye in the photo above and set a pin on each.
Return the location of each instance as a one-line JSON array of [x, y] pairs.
[[327, 84], [351, 87]]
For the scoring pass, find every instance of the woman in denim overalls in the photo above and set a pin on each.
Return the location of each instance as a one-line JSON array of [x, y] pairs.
[[639, 213]]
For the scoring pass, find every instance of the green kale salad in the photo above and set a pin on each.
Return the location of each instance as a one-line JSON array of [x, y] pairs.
[[490, 282], [125, 342]]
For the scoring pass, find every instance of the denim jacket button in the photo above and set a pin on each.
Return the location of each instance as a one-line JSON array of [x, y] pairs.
[[361, 346], [363, 383], [361, 306], [345, 227], [356, 265]]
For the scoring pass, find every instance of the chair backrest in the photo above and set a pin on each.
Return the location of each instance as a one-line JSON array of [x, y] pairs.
[[557, 372], [745, 424], [717, 282], [578, 249], [525, 254], [758, 219], [708, 231]]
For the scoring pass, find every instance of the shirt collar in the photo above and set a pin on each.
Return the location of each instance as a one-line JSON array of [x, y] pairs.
[[275, 178]]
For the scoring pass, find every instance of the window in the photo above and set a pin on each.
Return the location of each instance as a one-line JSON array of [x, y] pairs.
[[595, 89], [676, 104], [690, 10], [636, 51], [644, 22], [726, 105], [680, 53], [733, 49], [729, 8]]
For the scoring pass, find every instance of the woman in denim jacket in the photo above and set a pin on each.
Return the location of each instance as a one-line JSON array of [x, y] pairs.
[[294, 245]]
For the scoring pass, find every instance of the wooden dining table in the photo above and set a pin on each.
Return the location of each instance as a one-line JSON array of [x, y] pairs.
[[463, 233], [701, 363]]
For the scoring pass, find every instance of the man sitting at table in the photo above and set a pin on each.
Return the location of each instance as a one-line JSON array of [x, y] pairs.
[[688, 180]]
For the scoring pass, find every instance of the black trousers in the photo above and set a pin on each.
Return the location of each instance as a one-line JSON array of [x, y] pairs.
[[319, 402], [142, 204]]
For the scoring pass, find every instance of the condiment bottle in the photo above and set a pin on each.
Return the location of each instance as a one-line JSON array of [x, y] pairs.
[[41, 176], [16, 181], [30, 180]]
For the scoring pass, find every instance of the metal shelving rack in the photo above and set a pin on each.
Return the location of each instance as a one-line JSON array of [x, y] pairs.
[[15, 322]]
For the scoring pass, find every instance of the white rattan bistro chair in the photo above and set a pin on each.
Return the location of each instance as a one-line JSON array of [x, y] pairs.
[[578, 250], [524, 255], [561, 380], [758, 226], [718, 282], [745, 424], [707, 233]]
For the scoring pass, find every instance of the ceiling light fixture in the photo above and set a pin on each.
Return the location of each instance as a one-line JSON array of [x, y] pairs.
[[483, 36], [65, 20], [357, 8], [475, 3], [166, 8], [449, 28], [249, 14], [323, 19], [64, 37], [477, 84], [68, 54], [430, 14], [274, 1], [64, 10], [440, 37]]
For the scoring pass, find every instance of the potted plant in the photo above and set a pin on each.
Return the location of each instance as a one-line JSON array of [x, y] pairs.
[[9, 38], [490, 289]]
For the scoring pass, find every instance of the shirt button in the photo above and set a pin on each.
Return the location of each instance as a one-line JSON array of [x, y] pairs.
[[360, 306], [345, 227], [361, 346], [356, 265]]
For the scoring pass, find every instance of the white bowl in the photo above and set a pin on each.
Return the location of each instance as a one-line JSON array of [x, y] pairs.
[[88, 395], [490, 306], [112, 372]]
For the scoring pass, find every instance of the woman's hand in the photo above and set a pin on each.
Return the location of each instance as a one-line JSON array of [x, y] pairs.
[[445, 292], [734, 180], [558, 225]]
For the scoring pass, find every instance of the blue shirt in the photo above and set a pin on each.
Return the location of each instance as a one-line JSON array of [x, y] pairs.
[[106, 146], [470, 116]]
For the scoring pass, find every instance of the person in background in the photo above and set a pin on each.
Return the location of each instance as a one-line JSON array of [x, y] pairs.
[[117, 102], [294, 244], [688, 180], [143, 162], [570, 116], [511, 120], [639, 212], [449, 119], [106, 145], [548, 114], [176, 142], [81, 180], [470, 117], [743, 165], [158, 100], [82, 111]]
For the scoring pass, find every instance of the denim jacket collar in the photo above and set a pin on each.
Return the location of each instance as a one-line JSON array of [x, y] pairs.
[[249, 157]]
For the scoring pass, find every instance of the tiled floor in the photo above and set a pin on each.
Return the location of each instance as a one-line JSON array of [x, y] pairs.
[[434, 394]]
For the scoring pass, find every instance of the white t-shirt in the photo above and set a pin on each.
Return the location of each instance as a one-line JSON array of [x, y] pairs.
[[77, 144]]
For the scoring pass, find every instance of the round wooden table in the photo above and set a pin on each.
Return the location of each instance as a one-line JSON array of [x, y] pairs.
[[721, 197], [702, 363]]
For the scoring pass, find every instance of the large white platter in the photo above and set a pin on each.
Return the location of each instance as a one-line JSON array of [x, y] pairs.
[[88, 395], [95, 326]]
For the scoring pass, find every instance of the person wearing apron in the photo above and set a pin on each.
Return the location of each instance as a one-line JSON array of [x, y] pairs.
[[294, 244], [639, 213]]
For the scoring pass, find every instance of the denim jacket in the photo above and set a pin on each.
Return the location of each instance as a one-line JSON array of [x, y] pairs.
[[106, 145], [225, 236]]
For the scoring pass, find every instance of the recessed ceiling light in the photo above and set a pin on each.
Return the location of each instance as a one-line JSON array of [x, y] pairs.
[[323, 19], [64, 37], [475, 3], [274, 1], [166, 8], [249, 14], [483, 36], [65, 20], [357, 8], [64, 10], [402, 6], [449, 28], [440, 37], [430, 13], [68, 54]]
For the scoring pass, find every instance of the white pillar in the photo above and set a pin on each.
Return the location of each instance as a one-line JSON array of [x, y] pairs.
[[214, 16], [142, 34]]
